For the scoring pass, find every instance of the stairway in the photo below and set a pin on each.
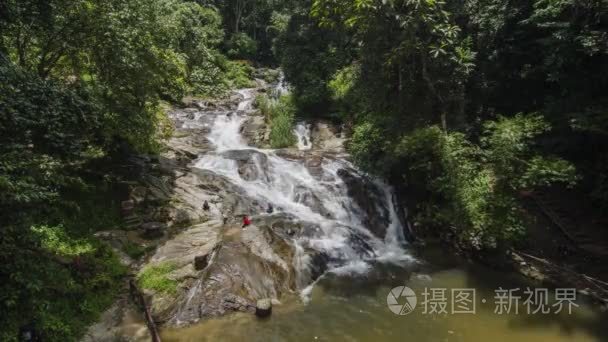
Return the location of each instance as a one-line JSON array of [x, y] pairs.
[[571, 229], [132, 221]]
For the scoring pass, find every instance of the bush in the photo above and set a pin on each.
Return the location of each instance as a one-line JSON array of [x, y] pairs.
[[239, 74], [343, 82], [281, 132], [240, 45], [59, 284], [470, 187], [262, 102], [208, 79], [366, 147]]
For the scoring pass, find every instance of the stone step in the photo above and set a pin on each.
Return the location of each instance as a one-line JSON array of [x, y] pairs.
[[585, 240], [129, 217], [134, 224]]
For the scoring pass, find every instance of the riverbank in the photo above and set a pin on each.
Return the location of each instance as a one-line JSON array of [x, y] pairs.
[[548, 256]]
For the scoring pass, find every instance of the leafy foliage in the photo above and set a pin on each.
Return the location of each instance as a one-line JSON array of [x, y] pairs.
[[477, 185], [81, 85], [58, 283], [433, 90], [239, 74], [240, 45]]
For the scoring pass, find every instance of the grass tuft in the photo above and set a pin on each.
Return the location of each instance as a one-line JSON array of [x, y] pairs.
[[280, 115], [155, 277]]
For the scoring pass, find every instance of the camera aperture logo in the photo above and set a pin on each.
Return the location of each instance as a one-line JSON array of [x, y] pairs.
[[401, 300]]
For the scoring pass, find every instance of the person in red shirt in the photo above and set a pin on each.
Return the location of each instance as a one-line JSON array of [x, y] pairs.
[[246, 221]]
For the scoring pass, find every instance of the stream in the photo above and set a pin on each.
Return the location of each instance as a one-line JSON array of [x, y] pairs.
[[327, 244]]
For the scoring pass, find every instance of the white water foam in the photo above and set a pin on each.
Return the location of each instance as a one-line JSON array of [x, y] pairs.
[[302, 133]]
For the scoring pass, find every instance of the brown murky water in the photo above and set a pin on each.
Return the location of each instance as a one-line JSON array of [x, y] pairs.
[[354, 308]]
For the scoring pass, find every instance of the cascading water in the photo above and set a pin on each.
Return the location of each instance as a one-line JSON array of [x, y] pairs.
[[281, 87], [339, 230], [248, 98], [302, 133]]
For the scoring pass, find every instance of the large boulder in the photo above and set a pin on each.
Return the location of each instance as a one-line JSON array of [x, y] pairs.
[[326, 136], [308, 198], [369, 199], [252, 164], [254, 131], [226, 276]]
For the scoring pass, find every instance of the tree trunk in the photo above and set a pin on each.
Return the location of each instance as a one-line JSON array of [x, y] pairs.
[[433, 90], [238, 13]]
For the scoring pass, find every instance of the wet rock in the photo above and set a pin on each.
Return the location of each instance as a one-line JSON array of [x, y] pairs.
[[121, 322], [318, 265], [325, 136], [185, 246], [308, 198], [159, 187], [248, 265], [360, 245], [152, 230], [234, 200], [235, 303], [370, 199], [314, 165], [252, 164], [291, 154], [263, 307], [219, 267], [201, 261], [282, 224], [254, 129], [181, 217]]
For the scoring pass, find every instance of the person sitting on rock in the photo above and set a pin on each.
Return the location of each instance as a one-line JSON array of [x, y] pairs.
[[270, 209], [246, 221], [205, 205]]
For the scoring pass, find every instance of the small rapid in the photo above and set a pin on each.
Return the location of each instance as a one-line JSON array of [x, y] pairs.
[[339, 230]]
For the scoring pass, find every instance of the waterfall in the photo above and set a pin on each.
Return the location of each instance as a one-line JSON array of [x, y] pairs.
[[302, 133], [281, 87], [247, 101], [338, 227]]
